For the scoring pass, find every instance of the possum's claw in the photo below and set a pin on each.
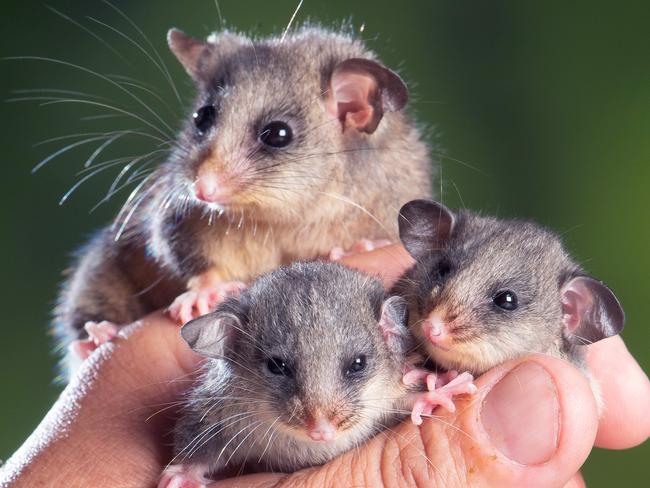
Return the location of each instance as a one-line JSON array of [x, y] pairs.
[[82, 348], [98, 334], [358, 247], [101, 332], [441, 390], [414, 376], [202, 300], [181, 476]]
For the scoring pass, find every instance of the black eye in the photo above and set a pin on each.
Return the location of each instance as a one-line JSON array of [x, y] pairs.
[[276, 134], [506, 299], [357, 365], [204, 118], [277, 366], [443, 269]]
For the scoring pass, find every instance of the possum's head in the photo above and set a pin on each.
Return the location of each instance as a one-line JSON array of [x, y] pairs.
[[488, 290], [278, 123], [317, 348]]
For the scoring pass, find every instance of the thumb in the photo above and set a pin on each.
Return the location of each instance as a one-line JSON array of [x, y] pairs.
[[532, 423]]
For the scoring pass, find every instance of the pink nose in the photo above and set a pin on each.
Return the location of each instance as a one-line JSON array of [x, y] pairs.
[[209, 188], [435, 329], [323, 430]]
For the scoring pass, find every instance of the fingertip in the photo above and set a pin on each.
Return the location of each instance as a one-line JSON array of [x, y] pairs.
[[625, 389], [535, 417], [154, 347], [576, 482], [261, 480], [388, 262]]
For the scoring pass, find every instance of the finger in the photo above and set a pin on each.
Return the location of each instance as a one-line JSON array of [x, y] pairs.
[[576, 482], [536, 416], [531, 424], [625, 389], [151, 352], [262, 480], [388, 263], [113, 409]]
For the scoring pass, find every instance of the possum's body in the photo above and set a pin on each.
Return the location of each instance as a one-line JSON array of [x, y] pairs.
[[335, 184]]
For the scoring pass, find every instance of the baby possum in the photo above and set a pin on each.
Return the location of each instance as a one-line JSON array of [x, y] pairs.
[[293, 147], [485, 290], [306, 364]]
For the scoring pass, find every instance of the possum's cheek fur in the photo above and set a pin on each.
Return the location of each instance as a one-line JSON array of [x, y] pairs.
[[475, 356], [378, 400]]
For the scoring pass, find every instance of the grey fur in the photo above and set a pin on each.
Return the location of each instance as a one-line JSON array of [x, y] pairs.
[[482, 256], [329, 188], [317, 317]]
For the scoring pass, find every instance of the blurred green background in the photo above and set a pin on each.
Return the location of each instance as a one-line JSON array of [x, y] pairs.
[[543, 109]]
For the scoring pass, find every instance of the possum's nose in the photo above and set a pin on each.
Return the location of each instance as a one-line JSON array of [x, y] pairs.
[[436, 328], [321, 429], [210, 188]]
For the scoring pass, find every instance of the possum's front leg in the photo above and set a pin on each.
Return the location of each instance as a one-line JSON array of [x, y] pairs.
[[98, 333], [214, 259], [441, 389], [204, 293], [112, 282]]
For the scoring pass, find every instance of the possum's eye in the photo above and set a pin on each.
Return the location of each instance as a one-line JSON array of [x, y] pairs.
[[505, 299], [276, 134], [443, 269], [204, 118], [277, 366], [358, 364]]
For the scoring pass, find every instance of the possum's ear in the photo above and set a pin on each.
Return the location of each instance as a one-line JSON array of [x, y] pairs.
[[424, 227], [361, 90], [590, 311], [212, 335], [393, 323], [188, 50]]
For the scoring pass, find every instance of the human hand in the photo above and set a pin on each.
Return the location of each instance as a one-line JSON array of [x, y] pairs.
[[532, 423]]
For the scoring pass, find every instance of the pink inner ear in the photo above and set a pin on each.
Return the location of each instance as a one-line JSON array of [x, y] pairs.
[[576, 302], [391, 332], [387, 327], [350, 99]]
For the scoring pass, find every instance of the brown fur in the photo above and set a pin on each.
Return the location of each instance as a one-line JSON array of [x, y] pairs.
[[329, 188]]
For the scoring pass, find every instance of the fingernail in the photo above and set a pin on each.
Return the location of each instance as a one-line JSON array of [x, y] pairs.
[[521, 414]]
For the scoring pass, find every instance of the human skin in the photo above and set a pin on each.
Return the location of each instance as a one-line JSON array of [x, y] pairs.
[[532, 423]]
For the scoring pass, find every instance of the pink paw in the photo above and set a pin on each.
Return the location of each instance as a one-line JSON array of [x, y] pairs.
[[361, 246], [441, 390], [98, 334], [414, 376], [180, 476], [196, 302]]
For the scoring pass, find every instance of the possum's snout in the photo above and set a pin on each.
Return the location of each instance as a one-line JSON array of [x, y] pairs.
[[209, 187], [322, 428], [214, 184]]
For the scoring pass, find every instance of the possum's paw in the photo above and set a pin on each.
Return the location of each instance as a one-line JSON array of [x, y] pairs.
[[101, 332], [361, 246], [414, 376], [441, 390], [202, 300], [182, 476], [98, 334]]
